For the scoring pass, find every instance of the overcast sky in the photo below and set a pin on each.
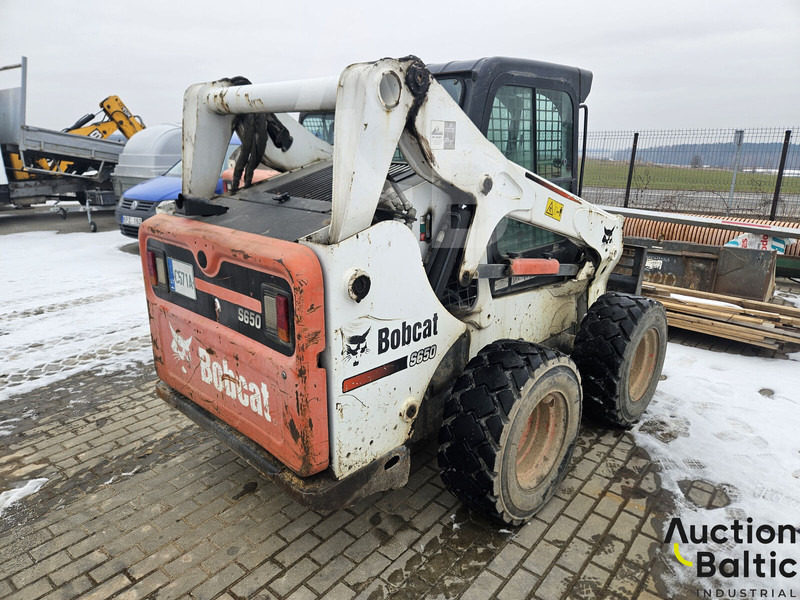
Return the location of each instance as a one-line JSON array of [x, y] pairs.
[[677, 64]]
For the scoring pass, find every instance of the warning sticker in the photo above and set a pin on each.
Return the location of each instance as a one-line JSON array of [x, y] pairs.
[[443, 135], [553, 209]]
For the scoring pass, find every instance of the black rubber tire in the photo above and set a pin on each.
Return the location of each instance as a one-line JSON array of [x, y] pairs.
[[620, 333], [506, 387], [93, 227]]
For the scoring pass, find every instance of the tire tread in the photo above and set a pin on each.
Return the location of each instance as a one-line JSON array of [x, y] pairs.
[[470, 470]]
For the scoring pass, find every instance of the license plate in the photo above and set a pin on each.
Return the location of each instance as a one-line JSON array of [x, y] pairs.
[[181, 278], [127, 220]]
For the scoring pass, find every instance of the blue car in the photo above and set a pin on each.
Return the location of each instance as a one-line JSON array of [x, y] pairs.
[[140, 202]]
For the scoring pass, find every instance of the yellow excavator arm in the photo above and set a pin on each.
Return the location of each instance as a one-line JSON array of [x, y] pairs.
[[117, 118]]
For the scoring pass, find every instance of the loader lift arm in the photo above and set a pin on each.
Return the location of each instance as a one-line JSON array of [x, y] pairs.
[[378, 106]]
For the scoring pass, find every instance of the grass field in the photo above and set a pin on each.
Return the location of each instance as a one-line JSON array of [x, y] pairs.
[[613, 174]]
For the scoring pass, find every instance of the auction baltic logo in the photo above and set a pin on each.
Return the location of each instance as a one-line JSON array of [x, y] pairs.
[[776, 566]]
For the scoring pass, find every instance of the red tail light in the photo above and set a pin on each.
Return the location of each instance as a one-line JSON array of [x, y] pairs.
[[152, 271], [156, 268], [282, 308], [277, 313]]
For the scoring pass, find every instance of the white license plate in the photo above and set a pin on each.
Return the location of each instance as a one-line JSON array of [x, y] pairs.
[[181, 278], [128, 220]]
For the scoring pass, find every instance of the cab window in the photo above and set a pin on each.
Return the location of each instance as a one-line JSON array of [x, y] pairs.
[[454, 87], [516, 239], [533, 128], [320, 124]]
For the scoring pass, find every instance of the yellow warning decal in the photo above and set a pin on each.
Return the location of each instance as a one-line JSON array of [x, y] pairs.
[[553, 209]]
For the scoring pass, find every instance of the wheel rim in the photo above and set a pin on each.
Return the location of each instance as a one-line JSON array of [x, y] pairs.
[[643, 365], [541, 440]]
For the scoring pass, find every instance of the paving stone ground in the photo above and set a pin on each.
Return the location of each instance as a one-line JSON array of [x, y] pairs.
[[141, 503]]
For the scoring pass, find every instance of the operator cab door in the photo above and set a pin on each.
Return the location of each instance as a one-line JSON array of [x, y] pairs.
[[531, 121]]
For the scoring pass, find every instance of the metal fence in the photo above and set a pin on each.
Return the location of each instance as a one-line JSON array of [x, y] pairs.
[[728, 172]]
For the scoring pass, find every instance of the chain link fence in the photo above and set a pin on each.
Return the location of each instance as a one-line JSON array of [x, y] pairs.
[[727, 172]]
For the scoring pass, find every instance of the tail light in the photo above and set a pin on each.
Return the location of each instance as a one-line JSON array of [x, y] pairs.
[[277, 314], [156, 268]]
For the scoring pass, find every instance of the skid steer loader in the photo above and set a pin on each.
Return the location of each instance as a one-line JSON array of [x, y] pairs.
[[431, 272]]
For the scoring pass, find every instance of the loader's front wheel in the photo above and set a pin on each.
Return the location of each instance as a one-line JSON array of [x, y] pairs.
[[509, 429], [620, 350]]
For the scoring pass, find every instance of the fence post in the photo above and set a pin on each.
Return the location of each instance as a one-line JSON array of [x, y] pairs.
[[738, 138], [778, 182], [630, 168]]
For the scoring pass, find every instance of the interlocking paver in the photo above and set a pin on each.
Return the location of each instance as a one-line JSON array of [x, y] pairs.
[[40, 569], [554, 584], [162, 510], [334, 546], [108, 589], [153, 562], [519, 585], [542, 556], [70, 589], [77, 568], [145, 587], [367, 569], [116, 565], [332, 523], [293, 577], [257, 578], [33, 591], [329, 574], [217, 582]]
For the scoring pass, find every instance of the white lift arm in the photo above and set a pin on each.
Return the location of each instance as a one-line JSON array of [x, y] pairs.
[[379, 105]]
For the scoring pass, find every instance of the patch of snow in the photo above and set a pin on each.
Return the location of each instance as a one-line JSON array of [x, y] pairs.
[[697, 300], [124, 474], [70, 303], [11, 496], [789, 297], [732, 422], [4, 429]]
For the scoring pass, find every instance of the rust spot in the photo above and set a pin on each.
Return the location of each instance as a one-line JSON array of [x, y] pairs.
[[211, 351], [295, 435], [313, 308], [241, 253]]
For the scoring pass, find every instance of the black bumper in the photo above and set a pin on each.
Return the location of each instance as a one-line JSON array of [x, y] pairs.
[[318, 492]]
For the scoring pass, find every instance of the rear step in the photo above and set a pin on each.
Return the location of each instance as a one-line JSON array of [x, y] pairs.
[[318, 492]]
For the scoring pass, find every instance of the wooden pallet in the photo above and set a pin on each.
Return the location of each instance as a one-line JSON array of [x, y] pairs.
[[759, 323]]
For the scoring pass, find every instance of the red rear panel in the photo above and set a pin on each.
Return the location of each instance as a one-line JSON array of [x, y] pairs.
[[213, 321]]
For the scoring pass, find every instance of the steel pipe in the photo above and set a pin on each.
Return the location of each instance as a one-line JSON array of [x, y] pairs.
[[305, 95]]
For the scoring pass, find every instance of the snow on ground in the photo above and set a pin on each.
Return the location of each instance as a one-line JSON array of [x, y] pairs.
[[8, 498], [789, 297], [69, 303], [731, 421]]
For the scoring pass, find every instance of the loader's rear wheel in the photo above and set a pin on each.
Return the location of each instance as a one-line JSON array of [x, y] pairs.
[[509, 429], [620, 350]]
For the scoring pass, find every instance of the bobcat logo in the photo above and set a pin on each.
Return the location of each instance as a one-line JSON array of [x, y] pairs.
[[608, 234], [181, 347], [355, 347]]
